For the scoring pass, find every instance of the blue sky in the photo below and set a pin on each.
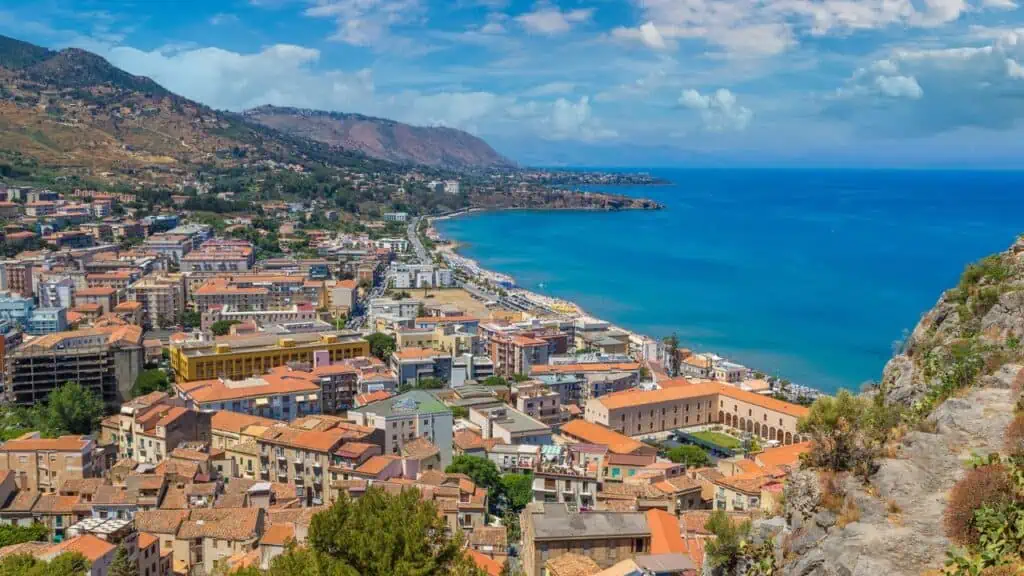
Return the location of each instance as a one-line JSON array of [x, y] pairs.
[[606, 82]]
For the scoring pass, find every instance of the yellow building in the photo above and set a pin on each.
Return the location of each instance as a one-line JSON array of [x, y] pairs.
[[239, 357]]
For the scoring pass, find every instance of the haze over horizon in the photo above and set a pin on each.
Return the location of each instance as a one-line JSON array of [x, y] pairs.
[[613, 82]]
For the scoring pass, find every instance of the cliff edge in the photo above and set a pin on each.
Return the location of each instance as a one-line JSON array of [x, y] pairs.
[[957, 381]]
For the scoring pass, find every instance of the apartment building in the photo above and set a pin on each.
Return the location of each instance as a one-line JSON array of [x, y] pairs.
[[56, 292], [406, 417], [15, 308], [680, 404], [301, 457], [16, 276], [209, 536], [162, 297], [106, 298], [40, 208], [228, 428], [516, 354], [339, 386], [281, 394], [510, 425], [590, 379], [148, 428], [105, 360], [554, 483], [173, 246], [259, 291], [540, 402], [230, 312], [239, 357], [340, 295], [552, 530], [412, 365], [392, 310], [44, 464], [220, 256], [47, 321], [117, 279]]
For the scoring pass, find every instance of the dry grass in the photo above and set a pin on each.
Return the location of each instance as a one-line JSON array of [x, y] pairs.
[[892, 507], [833, 495], [927, 426], [1005, 570], [1013, 441], [980, 487], [849, 513]]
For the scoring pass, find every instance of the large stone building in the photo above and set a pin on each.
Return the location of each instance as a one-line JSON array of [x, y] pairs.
[[551, 530], [44, 464], [408, 416], [680, 404]]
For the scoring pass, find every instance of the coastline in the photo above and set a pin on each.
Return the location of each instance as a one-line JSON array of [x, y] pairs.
[[563, 306]]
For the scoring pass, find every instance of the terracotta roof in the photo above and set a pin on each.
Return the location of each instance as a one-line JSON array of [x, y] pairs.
[[278, 534], [765, 402], [596, 434], [489, 565], [630, 459], [354, 449], [87, 545], [572, 565], [583, 368], [81, 485], [419, 448], [665, 536], [376, 465], [31, 548], [788, 455], [55, 504], [174, 499], [274, 383], [146, 540], [370, 397], [467, 439], [496, 536], [61, 444], [160, 521], [221, 523], [747, 483], [416, 353], [631, 398], [235, 422], [681, 484], [95, 291], [306, 439]]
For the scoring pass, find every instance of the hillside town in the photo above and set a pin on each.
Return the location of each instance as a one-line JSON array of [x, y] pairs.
[[242, 391]]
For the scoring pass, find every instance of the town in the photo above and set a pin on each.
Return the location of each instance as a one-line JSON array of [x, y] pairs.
[[185, 392]]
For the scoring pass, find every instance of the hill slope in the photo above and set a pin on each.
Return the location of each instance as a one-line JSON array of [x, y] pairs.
[[75, 113], [384, 139]]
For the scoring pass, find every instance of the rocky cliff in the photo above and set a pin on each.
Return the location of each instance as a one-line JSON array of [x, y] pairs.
[[959, 378]]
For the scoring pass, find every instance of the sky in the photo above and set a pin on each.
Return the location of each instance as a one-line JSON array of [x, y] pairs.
[[606, 82]]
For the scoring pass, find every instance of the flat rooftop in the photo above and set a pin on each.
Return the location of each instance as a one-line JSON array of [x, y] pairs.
[[557, 523]]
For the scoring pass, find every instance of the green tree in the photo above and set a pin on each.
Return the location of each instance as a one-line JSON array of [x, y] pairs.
[[481, 470], [67, 564], [18, 534], [381, 345], [377, 535], [518, 490], [495, 381], [430, 383], [460, 412], [837, 430], [222, 327], [691, 456], [122, 564], [154, 380], [72, 409], [726, 549], [191, 318]]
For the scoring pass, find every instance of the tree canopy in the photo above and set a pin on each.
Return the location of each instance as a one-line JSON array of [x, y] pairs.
[[222, 327], [68, 564], [122, 564], [377, 535], [726, 549], [381, 345], [154, 380], [18, 534], [480, 470], [691, 456], [72, 409]]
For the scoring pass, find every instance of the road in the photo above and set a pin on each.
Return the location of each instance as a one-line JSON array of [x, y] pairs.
[[414, 239]]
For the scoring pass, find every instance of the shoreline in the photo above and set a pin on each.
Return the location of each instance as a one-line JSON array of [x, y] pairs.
[[453, 247]]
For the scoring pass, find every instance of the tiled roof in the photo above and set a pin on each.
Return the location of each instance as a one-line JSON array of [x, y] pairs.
[[788, 455], [665, 536], [304, 439], [87, 545], [275, 383], [631, 398], [55, 504], [235, 422], [371, 397], [235, 524], [596, 434], [174, 499], [572, 565], [354, 449], [146, 540], [81, 485], [61, 444], [419, 448], [376, 465], [489, 565], [278, 534], [467, 439], [496, 536]]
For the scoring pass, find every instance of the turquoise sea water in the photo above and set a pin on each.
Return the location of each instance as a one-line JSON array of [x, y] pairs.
[[808, 274]]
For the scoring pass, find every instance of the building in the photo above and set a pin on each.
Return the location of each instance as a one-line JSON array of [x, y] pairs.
[[105, 360], [395, 216], [259, 291], [510, 425], [229, 312], [340, 294], [212, 535], [408, 416], [551, 530], [220, 256], [228, 428], [105, 297], [57, 292], [117, 279], [591, 433], [540, 402], [48, 321], [162, 297], [679, 404], [451, 187], [412, 365], [15, 308], [282, 394], [300, 457], [554, 483], [339, 386], [243, 356], [40, 208], [392, 310], [173, 246], [16, 275], [44, 464], [149, 428]]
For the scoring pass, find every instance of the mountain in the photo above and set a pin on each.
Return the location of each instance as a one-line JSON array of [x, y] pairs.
[[384, 139], [72, 112]]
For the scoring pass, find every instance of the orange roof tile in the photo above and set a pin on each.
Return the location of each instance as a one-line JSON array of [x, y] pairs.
[[376, 465], [62, 444], [235, 422], [636, 397], [205, 391], [596, 434], [765, 402], [783, 455], [146, 540], [87, 545], [485, 563], [278, 534], [665, 536], [95, 291]]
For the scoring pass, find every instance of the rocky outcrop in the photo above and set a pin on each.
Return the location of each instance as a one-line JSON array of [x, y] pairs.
[[898, 525]]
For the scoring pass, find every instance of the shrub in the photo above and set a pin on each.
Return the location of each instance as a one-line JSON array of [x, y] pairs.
[[833, 495], [840, 431], [892, 507], [849, 513], [984, 486], [1013, 441], [1004, 570]]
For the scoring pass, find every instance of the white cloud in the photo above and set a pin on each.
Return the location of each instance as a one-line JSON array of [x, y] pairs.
[[639, 88], [570, 120], [550, 20], [719, 111], [758, 28], [551, 89], [365, 22], [222, 18], [927, 91]]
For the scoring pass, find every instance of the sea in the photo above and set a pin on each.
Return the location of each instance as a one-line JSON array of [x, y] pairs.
[[810, 275]]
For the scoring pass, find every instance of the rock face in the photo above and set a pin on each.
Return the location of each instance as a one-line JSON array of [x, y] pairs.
[[384, 139]]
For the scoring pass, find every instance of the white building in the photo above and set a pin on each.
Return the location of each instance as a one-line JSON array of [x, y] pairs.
[[451, 187], [403, 418], [393, 244], [396, 216]]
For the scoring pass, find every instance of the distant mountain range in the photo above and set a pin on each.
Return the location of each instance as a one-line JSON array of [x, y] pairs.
[[73, 112], [383, 139]]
